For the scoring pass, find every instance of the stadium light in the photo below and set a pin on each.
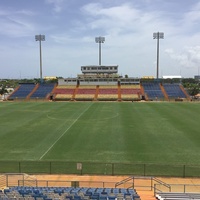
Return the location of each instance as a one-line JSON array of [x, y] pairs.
[[40, 38], [100, 40], [158, 36]]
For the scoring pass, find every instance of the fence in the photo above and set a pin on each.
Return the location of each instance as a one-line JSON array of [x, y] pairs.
[[92, 168]]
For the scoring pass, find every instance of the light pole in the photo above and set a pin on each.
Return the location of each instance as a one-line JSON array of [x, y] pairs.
[[40, 38], [158, 35], [100, 40]]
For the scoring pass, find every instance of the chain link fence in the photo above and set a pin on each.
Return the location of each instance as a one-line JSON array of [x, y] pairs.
[[93, 168]]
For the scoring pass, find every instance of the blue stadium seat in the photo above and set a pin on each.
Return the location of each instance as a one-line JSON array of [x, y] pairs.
[[174, 91], [71, 193], [153, 90], [42, 91], [23, 91]]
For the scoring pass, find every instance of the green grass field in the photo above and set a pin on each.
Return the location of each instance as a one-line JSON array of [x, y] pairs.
[[108, 137], [100, 132]]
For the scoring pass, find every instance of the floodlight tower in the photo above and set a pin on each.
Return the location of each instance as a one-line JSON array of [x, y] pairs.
[[158, 35], [100, 40], [40, 38]]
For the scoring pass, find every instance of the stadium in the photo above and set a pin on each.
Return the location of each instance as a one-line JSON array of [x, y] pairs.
[[102, 83], [100, 136]]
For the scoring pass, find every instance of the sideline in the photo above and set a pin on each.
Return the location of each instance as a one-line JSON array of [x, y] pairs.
[[65, 132]]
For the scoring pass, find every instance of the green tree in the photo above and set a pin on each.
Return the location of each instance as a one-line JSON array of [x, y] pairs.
[[3, 90]]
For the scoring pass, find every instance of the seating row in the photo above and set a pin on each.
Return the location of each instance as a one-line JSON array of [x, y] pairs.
[[32, 90], [177, 196], [42, 91], [69, 193], [23, 91], [174, 91], [153, 90], [99, 97]]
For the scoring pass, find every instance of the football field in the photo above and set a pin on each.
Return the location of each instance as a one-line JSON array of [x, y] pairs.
[[123, 132]]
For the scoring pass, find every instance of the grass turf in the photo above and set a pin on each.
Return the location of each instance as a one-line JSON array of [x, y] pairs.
[[100, 132]]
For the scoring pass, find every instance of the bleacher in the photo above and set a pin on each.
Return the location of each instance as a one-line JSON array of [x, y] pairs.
[[108, 92], [177, 196], [174, 91], [64, 92], [85, 92], [130, 92], [153, 90], [69, 193], [42, 91], [23, 91], [125, 92]]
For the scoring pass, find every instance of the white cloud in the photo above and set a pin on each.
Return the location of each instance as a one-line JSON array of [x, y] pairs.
[[127, 25], [114, 19], [15, 23], [188, 58], [26, 12], [194, 14], [57, 5]]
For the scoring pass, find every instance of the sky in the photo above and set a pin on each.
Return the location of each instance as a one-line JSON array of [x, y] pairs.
[[70, 28]]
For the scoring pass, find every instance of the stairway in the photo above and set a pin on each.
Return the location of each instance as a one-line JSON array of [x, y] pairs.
[[146, 195], [164, 92], [97, 92], [119, 93]]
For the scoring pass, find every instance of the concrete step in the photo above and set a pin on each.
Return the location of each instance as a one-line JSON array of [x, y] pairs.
[[146, 195]]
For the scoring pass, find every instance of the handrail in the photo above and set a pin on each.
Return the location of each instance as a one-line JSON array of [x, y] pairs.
[[155, 190], [156, 180], [7, 179], [162, 182], [64, 183], [123, 181]]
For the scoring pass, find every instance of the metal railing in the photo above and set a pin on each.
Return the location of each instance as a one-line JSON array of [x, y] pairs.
[[93, 168], [135, 182], [180, 188], [149, 183]]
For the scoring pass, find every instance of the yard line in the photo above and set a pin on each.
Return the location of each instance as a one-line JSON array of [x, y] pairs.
[[65, 132]]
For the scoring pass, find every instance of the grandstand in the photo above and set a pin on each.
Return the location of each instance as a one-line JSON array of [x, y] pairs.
[[42, 91], [29, 187], [98, 91], [64, 92], [108, 92], [22, 91], [32, 91], [153, 91], [85, 92], [130, 92], [174, 91], [50, 193], [101, 83]]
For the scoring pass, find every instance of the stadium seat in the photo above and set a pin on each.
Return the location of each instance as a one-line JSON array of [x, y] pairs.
[[23, 91], [70, 193], [174, 91], [153, 90], [42, 91]]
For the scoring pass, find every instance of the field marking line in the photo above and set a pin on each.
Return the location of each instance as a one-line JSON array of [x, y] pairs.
[[65, 132], [54, 118]]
